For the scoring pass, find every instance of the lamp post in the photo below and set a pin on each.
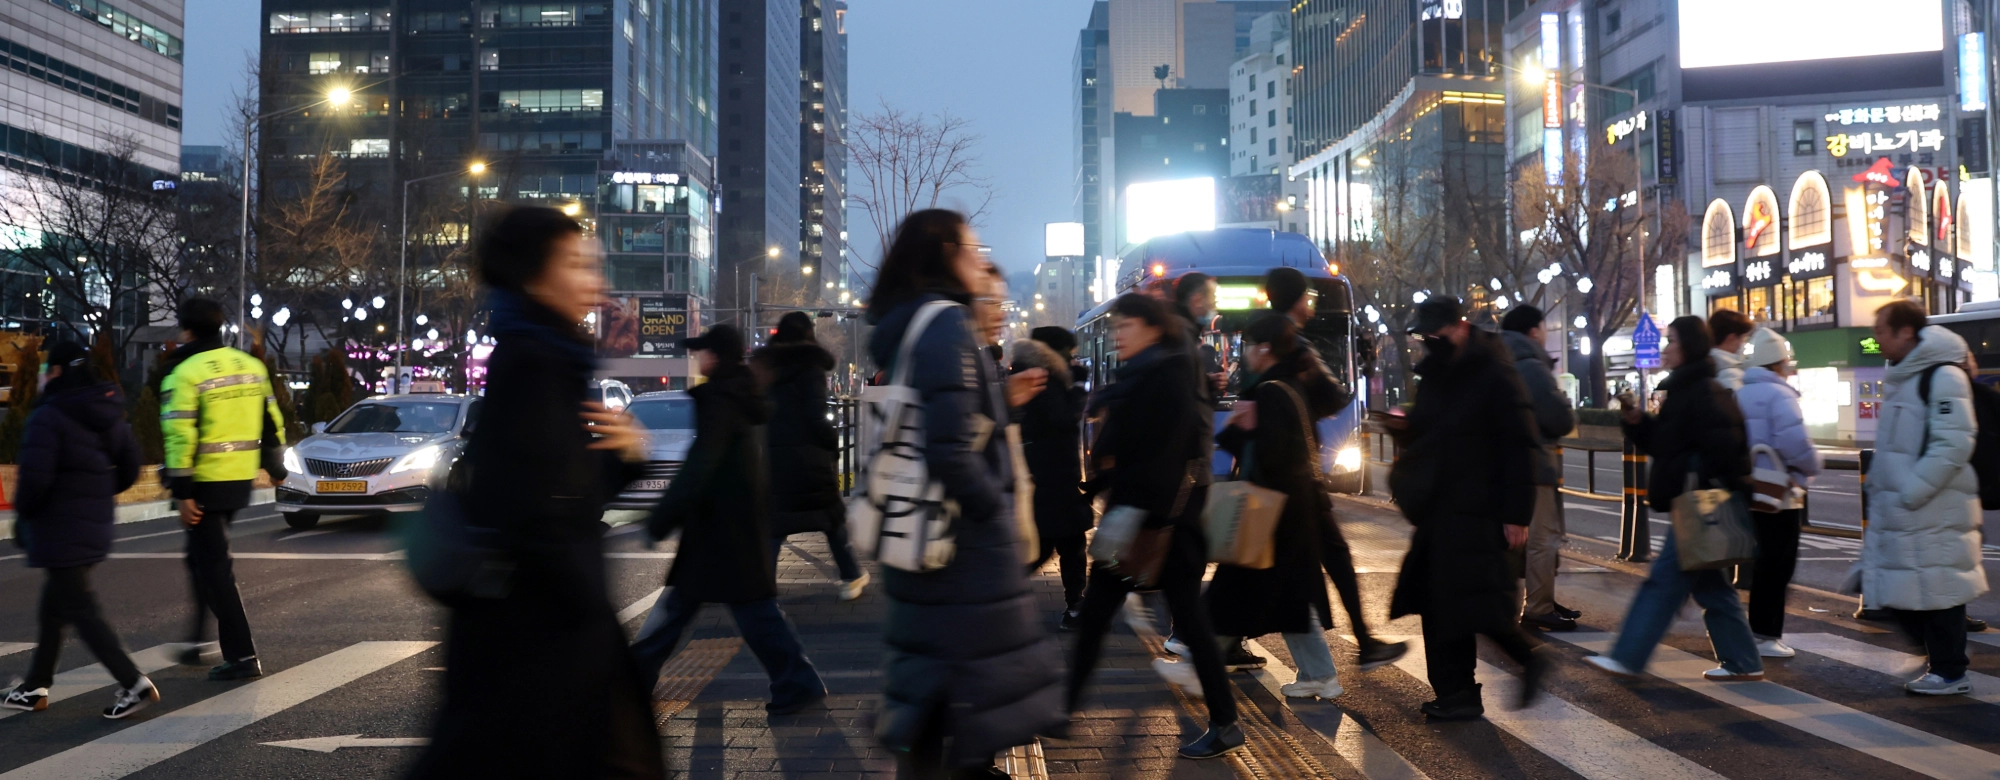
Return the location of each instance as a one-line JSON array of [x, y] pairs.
[[403, 260], [772, 254], [336, 97]]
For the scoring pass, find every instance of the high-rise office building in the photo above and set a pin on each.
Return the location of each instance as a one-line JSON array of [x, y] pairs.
[[759, 160], [87, 82], [605, 109], [822, 148], [1090, 123]]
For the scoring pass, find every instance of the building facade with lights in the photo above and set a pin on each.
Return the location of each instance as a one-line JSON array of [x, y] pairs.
[[87, 84]]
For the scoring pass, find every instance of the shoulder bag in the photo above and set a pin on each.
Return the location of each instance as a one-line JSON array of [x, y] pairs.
[[1711, 526], [902, 517]]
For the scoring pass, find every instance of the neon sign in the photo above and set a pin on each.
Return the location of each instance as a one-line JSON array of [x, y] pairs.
[[1840, 144], [1806, 262], [1882, 172], [641, 177], [1757, 271], [1886, 115], [1756, 221], [1717, 279], [1616, 131]]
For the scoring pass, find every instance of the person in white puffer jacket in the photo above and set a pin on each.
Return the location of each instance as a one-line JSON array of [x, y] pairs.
[[1771, 417], [1920, 553]]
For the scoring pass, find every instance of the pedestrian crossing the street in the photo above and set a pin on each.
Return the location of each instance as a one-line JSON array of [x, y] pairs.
[[86, 679]]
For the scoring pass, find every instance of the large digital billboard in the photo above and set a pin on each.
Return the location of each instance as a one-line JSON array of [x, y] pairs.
[[1732, 49], [1157, 208]]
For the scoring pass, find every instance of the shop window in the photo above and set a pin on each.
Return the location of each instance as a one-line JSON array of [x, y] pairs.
[[1762, 306], [1819, 298]]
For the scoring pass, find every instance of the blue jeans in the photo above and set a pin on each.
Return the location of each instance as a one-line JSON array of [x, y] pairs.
[[764, 629], [1666, 588], [1309, 651]]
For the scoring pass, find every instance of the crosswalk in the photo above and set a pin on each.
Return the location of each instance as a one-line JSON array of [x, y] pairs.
[[1570, 727]]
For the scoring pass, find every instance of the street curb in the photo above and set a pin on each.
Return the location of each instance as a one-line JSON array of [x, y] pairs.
[[142, 511]]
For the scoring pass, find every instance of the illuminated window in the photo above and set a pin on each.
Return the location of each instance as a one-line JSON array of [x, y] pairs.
[[323, 62]]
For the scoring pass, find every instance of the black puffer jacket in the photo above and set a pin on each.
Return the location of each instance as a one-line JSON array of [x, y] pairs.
[[966, 645], [1050, 425], [719, 499], [77, 455], [800, 443], [1467, 468], [1277, 455], [1699, 417]]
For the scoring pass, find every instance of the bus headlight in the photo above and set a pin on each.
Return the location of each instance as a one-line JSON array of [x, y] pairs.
[[1348, 459]]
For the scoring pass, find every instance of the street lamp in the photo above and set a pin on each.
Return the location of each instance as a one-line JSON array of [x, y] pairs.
[[336, 97], [771, 253], [403, 259], [1536, 75]]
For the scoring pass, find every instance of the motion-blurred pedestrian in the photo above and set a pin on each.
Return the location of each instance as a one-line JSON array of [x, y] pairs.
[[970, 671], [1731, 330], [1291, 295], [1521, 330], [543, 463], [1920, 553], [1466, 481], [77, 455], [1698, 431], [1270, 433], [1051, 425], [216, 411], [1772, 418], [1147, 456], [802, 446]]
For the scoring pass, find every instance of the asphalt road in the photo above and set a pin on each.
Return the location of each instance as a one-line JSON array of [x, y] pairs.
[[351, 671]]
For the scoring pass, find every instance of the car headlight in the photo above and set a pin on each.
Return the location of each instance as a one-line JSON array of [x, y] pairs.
[[293, 463], [1348, 459], [418, 460]]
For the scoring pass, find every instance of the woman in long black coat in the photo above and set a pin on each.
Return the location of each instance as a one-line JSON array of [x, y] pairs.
[[1269, 435], [538, 476], [801, 446], [1050, 426], [1148, 455], [970, 671]]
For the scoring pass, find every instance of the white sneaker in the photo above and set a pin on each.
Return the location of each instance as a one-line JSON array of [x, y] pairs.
[[1933, 685], [851, 589], [1328, 688], [1607, 664], [133, 699], [1177, 673], [1174, 646], [1719, 674], [1772, 648]]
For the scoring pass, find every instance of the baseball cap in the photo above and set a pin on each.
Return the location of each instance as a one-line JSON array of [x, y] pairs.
[[1437, 312], [723, 340]]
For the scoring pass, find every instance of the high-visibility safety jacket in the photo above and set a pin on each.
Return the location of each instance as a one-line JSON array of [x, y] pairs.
[[212, 410]]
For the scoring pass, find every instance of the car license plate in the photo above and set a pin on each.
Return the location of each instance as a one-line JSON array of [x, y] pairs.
[[344, 486], [650, 484]]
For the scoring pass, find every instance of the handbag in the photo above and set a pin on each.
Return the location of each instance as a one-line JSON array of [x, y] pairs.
[[901, 517], [1127, 547], [452, 559], [1242, 518], [1711, 526], [1771, 488], [1024, 498]]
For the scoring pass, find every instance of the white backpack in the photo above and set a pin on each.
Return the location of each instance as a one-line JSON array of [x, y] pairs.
[[901, 518]]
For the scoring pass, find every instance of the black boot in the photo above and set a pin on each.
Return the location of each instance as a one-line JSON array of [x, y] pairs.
[[1216, 741], [237, 670], [1071, 618], [1374, 653], [1463, 705], [1537, 671], [1567, 612], [1864, 613]]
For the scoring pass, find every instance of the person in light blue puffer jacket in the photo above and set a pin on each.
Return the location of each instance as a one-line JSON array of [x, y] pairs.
[[1771, 417]]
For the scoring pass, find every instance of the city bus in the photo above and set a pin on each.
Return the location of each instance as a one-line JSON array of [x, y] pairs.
[[1238, 259]]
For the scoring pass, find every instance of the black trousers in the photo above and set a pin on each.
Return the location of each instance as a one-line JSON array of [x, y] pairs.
[[1942, 633], [1180, 584], [1075, 566], [68, 601], [1451, 648], [926, 759], [1339, 563], [1777, 558], [213, 574]]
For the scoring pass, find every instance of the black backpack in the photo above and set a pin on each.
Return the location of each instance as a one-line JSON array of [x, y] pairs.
[[1986, 444]]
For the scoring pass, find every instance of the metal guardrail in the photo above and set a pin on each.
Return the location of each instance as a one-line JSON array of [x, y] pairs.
[[845, 411]]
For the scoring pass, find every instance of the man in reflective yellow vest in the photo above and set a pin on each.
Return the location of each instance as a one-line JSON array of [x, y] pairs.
[[216, 413]]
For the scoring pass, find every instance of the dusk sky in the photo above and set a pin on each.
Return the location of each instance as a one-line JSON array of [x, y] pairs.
[[1002, 65]]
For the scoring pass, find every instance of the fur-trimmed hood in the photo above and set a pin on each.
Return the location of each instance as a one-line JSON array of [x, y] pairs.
[[1029, 353]]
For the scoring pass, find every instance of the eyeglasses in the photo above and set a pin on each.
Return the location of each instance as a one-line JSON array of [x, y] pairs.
[[988, 300], [980, 248]]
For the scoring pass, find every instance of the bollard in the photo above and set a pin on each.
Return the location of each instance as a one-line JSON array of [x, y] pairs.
[[1590, 471], [1635, 533]]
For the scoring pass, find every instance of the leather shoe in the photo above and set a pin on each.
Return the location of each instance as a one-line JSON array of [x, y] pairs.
[[787, 708], [1549, 622], [1974, 625], [237, 670], [1463, 705], [1216, 741], [1567, 612]]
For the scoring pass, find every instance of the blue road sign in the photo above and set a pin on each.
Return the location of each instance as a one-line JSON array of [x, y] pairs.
[[1646, 343]]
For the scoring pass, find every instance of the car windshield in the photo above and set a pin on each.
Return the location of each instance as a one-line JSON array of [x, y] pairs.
[[664, 413], [397, 418]]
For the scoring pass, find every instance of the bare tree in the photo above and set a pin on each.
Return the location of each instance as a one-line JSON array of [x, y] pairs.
[[910, 161], [311, 249], [1395, 253], [1589, 233], [103, 234]]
